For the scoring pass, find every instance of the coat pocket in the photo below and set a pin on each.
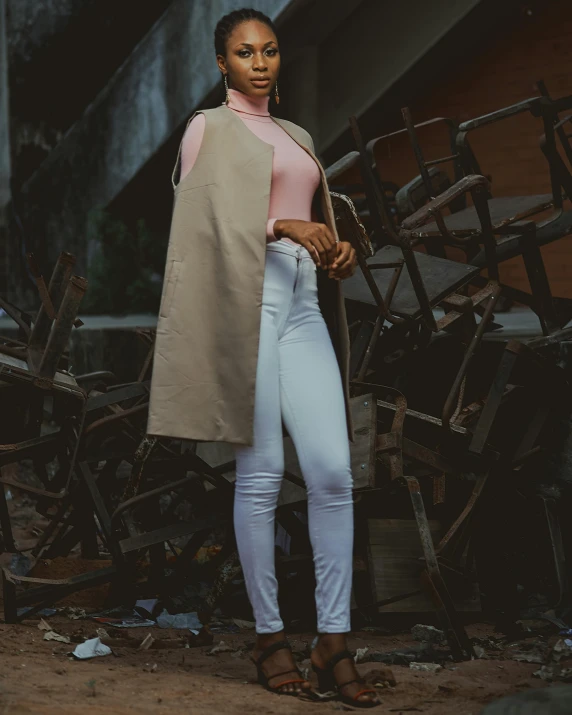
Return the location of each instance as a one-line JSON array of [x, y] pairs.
[[171, 277]]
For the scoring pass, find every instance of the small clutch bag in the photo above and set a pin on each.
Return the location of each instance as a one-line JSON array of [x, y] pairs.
[[348, 225]]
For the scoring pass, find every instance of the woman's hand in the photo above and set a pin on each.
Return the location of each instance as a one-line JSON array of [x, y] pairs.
[[345, 262], [316, 238]]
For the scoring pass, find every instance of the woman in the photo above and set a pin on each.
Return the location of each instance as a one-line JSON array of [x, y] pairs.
[[243, 343]]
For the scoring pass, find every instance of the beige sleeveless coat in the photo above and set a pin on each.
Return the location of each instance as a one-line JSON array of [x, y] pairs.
[[206, 349]]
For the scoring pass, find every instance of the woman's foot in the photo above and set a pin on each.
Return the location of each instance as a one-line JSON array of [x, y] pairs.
[[329, 645], [280, 666]]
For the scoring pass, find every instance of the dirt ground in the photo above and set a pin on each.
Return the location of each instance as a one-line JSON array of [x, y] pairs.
[[38, 677]]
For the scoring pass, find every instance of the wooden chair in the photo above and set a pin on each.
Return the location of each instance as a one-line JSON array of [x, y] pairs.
[[511, 224]]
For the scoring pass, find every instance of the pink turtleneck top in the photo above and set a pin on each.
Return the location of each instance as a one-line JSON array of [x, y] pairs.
[[295, 175]]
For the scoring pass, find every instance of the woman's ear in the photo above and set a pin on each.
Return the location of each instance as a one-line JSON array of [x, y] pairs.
[[221, 62]]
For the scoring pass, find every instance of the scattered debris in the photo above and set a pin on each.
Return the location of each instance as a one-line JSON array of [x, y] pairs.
[[44, 625], [359, 657], [488, 643], [53, 636], [74, 613], [150, 667], [423, 653], [426, 667], [380, 678], [102, 633], [562, 649], [134, 621], [533, 657], [222, 647], [20, 564], [91, 648], [247, 625], [47, 612], [480, 652], [530, 652], [147, 642], [202, 638], [428, 634], [188, 621], [554, 672], [145, 607]]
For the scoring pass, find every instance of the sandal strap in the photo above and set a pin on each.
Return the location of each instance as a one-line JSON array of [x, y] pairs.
[[335, 659], [360, 681], [284, 672], [365, 691], [267, 652]]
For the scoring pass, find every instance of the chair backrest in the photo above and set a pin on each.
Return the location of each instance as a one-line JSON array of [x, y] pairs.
[[425, 166], [414, 194], [560, 125], [555, 128]]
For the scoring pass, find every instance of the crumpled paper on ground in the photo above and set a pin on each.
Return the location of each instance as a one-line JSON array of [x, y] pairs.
[[91, 649]]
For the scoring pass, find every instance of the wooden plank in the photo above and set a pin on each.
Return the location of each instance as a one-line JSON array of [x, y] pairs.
[[396, 559], [504, 210], [440, 276]]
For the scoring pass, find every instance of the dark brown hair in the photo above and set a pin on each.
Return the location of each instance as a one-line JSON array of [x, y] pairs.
[[227, 23]]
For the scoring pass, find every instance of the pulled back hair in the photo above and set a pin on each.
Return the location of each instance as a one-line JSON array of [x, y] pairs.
[[227, 23]]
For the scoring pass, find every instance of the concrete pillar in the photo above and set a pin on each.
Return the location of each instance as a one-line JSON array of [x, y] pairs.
[[5, 165], [363, 57]]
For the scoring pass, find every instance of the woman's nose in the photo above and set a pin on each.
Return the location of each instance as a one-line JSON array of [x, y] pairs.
[[259, 62]]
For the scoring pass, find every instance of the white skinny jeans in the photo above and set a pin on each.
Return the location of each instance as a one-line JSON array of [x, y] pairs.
[[298, 381]]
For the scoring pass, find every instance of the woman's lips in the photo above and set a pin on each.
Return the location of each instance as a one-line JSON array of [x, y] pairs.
[[260, 81]]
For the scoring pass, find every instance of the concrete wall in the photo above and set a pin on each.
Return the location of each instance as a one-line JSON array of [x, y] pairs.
[[375, 46], [5, 169], [33, 25], [168, 75]]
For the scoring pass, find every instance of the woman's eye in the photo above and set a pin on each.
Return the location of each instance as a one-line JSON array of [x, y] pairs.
[[243, 53], [272, 51]]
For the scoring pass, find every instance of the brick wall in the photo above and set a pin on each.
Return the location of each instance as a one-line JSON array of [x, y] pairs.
[[537, 46]]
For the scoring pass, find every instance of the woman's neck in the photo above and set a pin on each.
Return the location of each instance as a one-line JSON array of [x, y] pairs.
[[241, 102]]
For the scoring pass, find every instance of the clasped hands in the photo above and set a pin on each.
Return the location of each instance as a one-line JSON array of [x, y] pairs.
[[337, 258]]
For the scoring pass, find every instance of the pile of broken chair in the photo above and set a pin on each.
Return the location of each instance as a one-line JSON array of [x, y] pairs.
[[453, 410], [444, 420], [90, 467]]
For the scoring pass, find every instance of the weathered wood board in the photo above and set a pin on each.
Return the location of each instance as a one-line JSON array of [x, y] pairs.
[[396, 560]]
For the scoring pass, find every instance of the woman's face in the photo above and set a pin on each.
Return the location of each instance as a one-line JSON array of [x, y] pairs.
[[252, 59]]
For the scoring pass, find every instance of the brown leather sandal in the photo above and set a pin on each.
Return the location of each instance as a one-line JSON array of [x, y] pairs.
[[327, 682], [263, 679]]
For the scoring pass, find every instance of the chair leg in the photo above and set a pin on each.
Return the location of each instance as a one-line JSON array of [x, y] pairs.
[[550, 509], [363, 579], [539, 284], [494, 398], [5, 523], [360, 345], [457, 637]]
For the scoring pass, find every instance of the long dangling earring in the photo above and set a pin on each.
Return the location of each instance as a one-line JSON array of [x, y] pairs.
[[227, 100], [276, 95]]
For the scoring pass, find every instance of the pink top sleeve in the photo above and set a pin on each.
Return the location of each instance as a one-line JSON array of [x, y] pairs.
[[190, 146]]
